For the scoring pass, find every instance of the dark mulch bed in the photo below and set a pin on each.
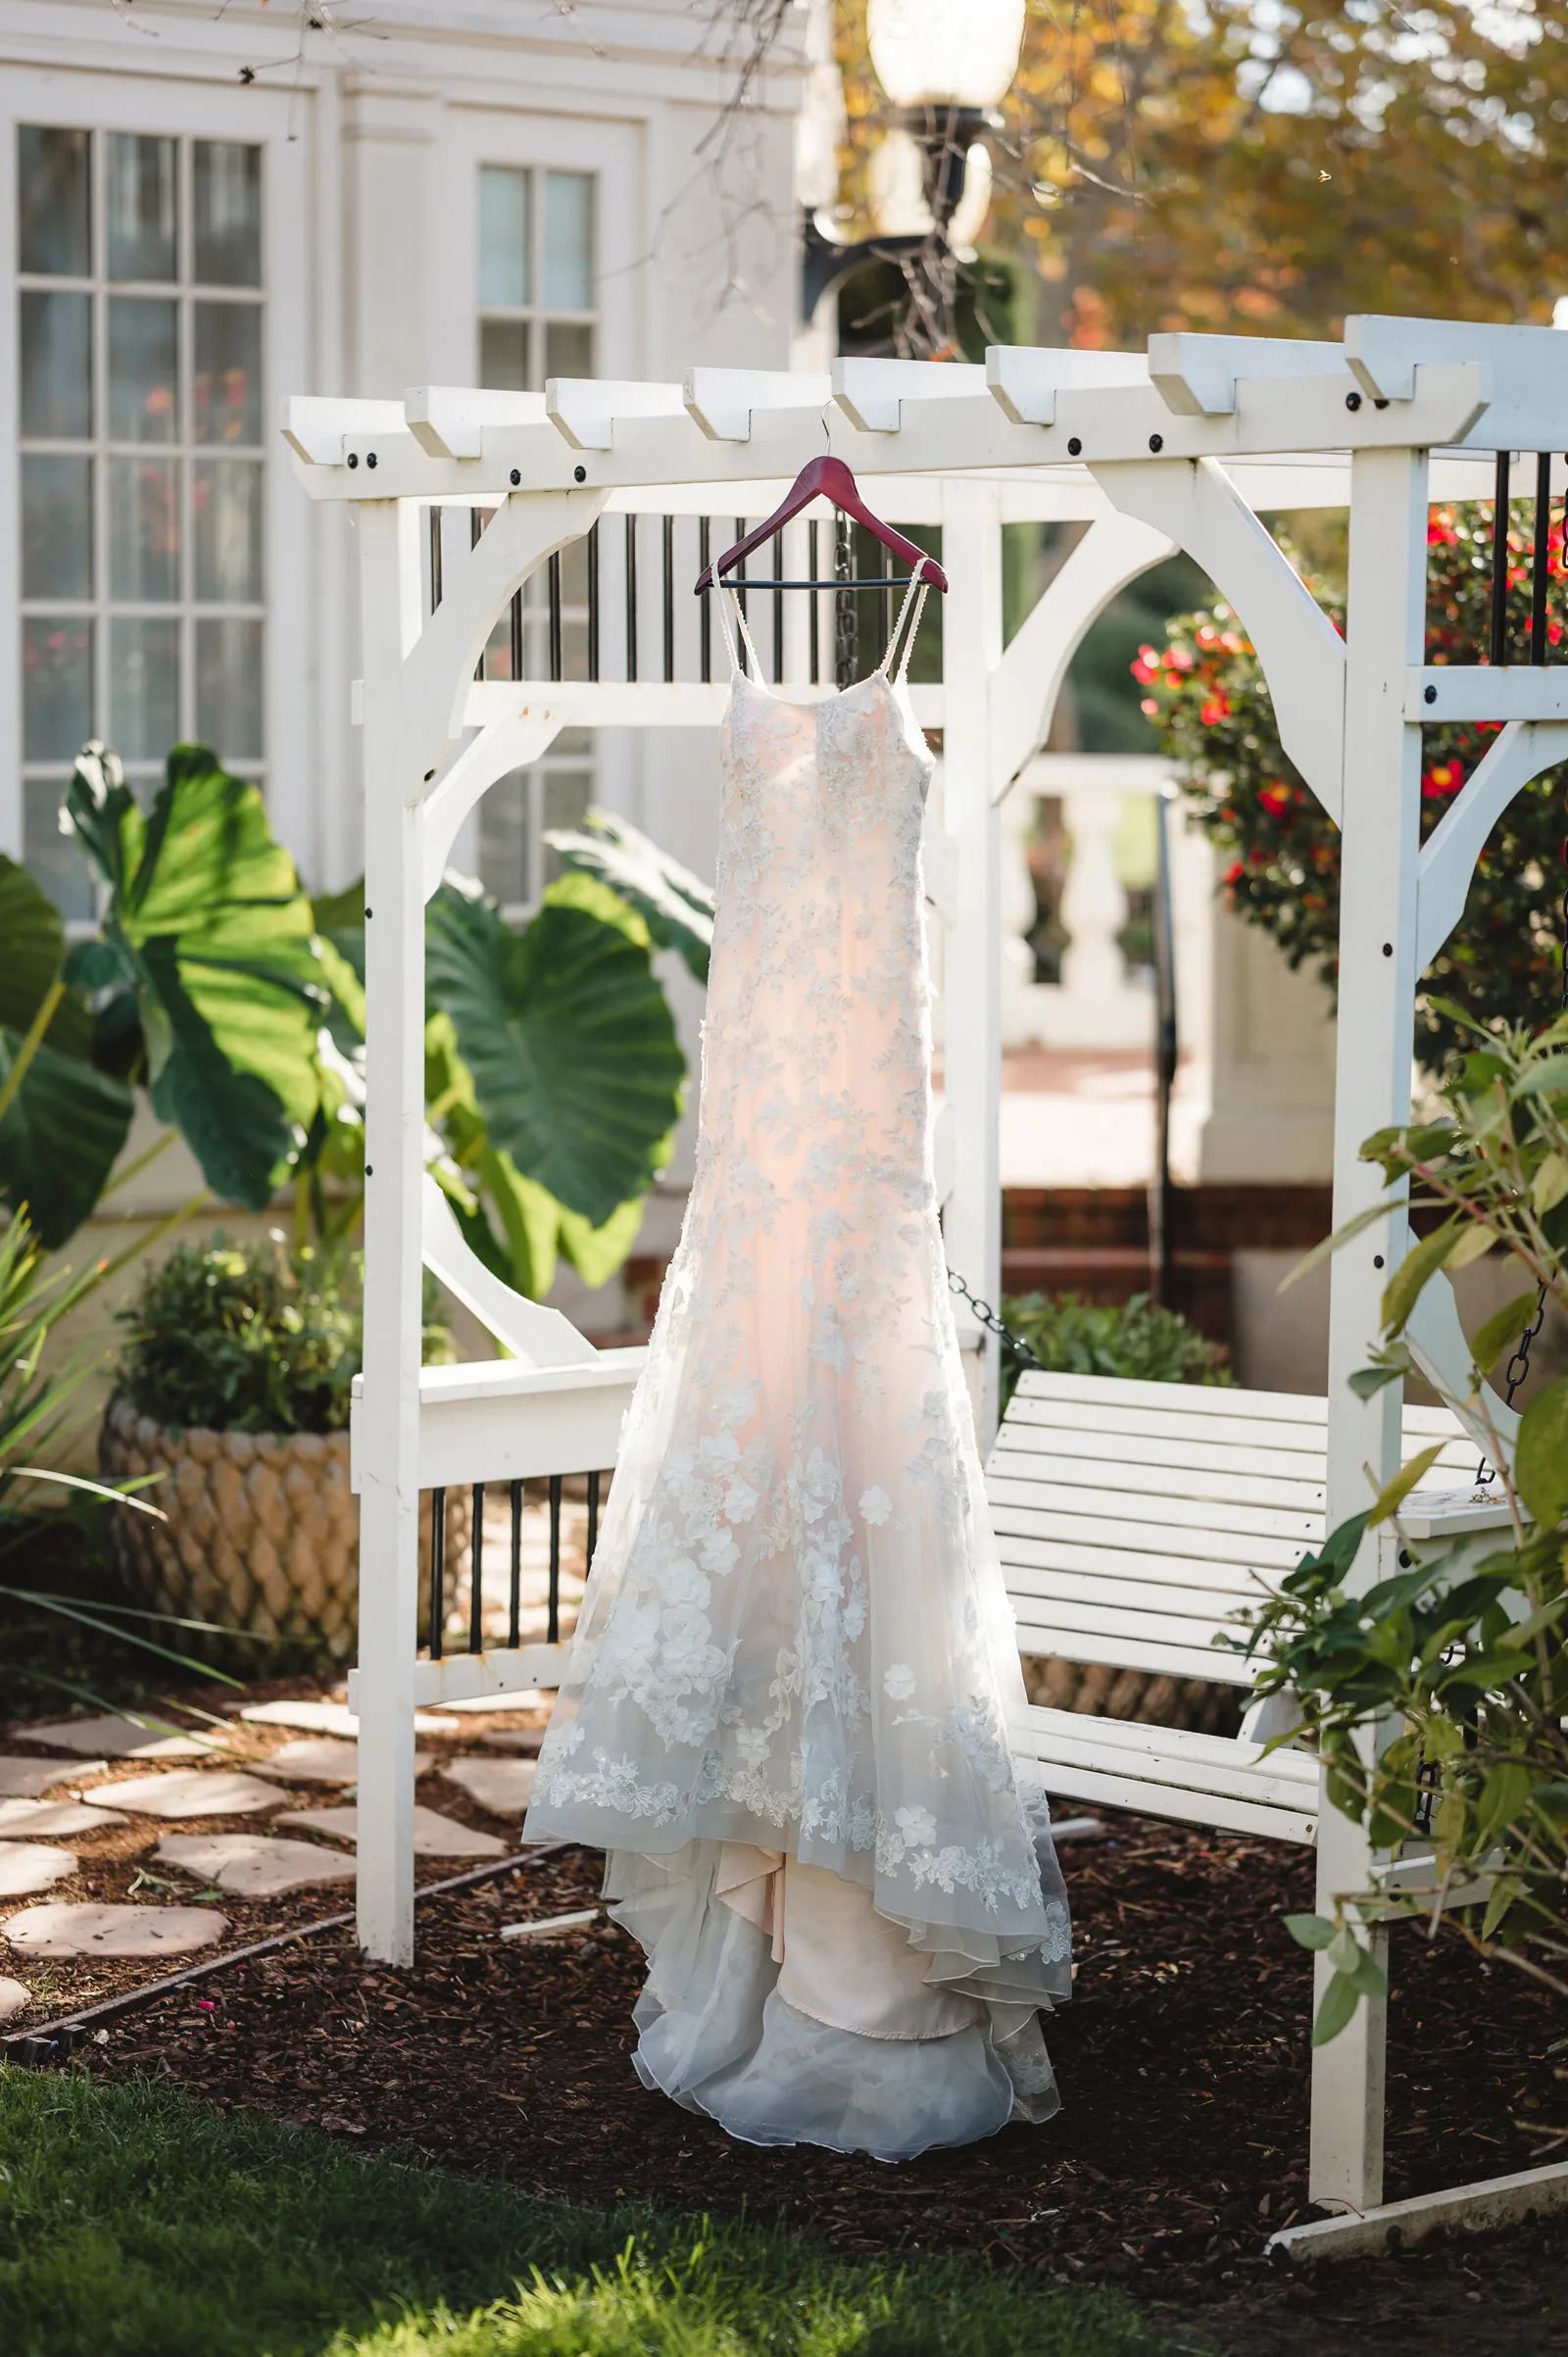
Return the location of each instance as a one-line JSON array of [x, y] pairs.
[[1183, 2062]]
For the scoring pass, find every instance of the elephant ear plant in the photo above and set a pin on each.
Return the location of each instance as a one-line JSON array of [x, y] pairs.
[[1439, 1698]]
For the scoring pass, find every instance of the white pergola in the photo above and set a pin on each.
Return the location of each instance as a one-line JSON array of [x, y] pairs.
[[1181, 448]]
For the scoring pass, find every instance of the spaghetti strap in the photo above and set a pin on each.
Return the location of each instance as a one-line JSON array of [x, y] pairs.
[[735, 664], [916, 594]]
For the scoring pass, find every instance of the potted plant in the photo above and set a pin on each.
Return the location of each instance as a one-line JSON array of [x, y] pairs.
[[234, 1386]]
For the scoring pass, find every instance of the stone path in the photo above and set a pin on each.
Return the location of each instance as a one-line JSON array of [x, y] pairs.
[[331, 1718], [26, 1779], [253, 1865], [213, 1794], [501, 1786], [326, 1760], [37, 1820], [435, 1835], [121, 1739], [63, 1930], [514, 1738], [12, 1996], [27, 1867]]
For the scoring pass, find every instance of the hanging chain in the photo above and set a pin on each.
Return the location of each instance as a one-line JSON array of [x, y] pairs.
[[993, 1324], [1519, 1363]]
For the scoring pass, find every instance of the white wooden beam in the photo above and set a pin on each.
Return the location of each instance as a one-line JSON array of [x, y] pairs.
[[1484, 691], [646, 703], [722, 400], [1527, 369], [586, 410], [1197, 375], [1025, 378], [1200, 509], [449, 421], [1401, 2226], [872, 393], [320, 429]]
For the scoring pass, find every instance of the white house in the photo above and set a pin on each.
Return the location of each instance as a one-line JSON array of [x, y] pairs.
[[209, 208]]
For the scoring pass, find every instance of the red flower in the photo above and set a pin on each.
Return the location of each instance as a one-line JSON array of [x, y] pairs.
[[1218, 708], [1276, 799]]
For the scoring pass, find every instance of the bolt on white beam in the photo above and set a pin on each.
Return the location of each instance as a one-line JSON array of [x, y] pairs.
[[721, 400], [1197, 375], [584, 410], [871, 392], [1025, 379]]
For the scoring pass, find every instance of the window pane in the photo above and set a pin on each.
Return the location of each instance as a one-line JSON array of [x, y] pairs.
[[139, 208], [226, 517], [53, 212], [143, 687], [229, 214], [228, 688], [57, 527], [503, 355], [143, 530], [568, 351], [505, 868], [56, 688], [54, 860], [505, 211], [227, 394], [143, 345], [57, 367], [569, 240]]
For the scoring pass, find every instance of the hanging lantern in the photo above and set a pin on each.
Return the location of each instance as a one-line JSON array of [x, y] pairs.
[[945, 53]]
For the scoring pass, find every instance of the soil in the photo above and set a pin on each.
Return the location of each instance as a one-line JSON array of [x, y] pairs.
[[1183, 2061]]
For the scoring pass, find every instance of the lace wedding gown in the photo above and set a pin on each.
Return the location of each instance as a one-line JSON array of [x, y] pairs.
[[785, 1709]]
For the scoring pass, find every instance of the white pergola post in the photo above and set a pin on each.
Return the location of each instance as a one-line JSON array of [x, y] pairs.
[[1378, 977], [387, 1427], [971, 650]]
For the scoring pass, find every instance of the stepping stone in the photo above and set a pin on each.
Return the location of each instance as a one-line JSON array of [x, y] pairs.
[[38, 1820], [26, 1779], [326, 1760], [223, 1793], [514, 1738], [331, 1718], [120, 1738], [27, 1867], [253, 1865], [12, 1996], [87, 1931], [501, 1786], [435, 1835]]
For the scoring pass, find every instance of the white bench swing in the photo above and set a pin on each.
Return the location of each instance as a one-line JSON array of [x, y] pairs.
[[1132, 1517]]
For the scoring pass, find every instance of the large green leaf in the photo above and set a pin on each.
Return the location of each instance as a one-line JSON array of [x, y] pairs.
[[1541, 1456], [30, 963], [576, 1069], [214, 935], [62, 1134], [676, 907]]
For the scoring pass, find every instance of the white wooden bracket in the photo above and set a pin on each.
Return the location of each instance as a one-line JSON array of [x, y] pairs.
[[511, 741], [538, 1336], [1025, 379], [1197, 375], [722, 400], [1449, 856], [449, 421], [871, 392], [585, 409], [1196, 505]]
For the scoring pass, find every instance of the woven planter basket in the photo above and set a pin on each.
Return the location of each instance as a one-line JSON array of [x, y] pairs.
[[263, 1533]]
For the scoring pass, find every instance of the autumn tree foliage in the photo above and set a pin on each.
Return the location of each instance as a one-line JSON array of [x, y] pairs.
[[1207, 163]]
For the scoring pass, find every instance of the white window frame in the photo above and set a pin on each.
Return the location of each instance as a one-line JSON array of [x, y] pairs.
[[189, 109]]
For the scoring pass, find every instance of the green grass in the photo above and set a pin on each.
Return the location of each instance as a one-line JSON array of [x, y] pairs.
[[136, 2223]]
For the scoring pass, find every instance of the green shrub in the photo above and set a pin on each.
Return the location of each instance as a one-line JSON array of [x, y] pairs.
[[251, 1337], [1136, 1340]]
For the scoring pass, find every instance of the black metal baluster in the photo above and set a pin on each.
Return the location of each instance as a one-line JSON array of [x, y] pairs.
[[476, 527], [845, 617], [594, 1480], [631, 598], [593, 602], [705, 558], [816, 665], [555, 614], [438, 1566], [477, 1581], [669, 598], [517, 634], [740, 588], [435, 559], [553, 1625], [1540, 562], [884, 567], [1500, 559], [515, 1614], [779, 610]]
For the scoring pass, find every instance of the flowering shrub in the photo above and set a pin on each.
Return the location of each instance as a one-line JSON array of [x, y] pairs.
[[1206, 695]]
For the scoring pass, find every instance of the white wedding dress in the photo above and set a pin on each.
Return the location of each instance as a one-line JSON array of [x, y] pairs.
[[784, 1713]]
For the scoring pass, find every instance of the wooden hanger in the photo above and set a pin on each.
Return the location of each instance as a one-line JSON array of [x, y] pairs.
[[827, 478]]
